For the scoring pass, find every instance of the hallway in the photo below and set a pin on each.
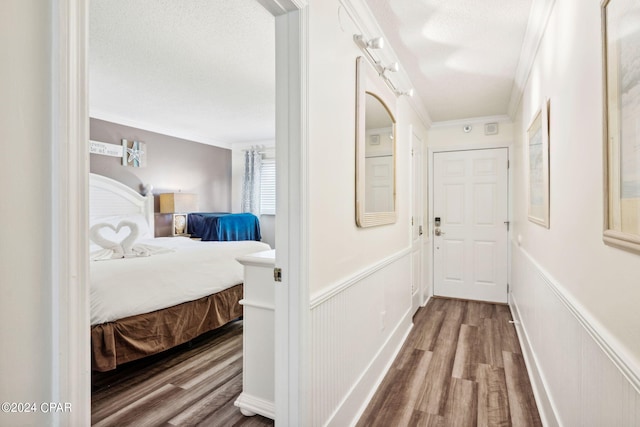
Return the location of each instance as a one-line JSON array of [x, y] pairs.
[[461, 365]]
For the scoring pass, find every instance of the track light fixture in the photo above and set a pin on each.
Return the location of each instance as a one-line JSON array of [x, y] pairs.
[[408, 93], [378, 43], [374, 43], [393, 67]]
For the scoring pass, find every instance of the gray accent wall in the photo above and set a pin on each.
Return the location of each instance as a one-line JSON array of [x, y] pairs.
[[173, 164]]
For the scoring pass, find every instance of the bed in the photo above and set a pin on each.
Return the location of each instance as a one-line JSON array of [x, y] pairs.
[[223, 226], [150, 294]]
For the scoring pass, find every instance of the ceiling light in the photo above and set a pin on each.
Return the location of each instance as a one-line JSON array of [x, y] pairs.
[[374, 43]]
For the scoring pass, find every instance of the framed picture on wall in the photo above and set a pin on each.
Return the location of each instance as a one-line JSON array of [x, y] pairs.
[[537, 150], [621, 44]]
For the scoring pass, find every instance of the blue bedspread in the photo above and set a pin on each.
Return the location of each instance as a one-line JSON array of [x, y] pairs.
[[224, 226]]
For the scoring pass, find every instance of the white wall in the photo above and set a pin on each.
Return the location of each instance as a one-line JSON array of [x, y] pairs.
[[360, 278], [568, 71], [335, 238], [597, 284], [26, 211]]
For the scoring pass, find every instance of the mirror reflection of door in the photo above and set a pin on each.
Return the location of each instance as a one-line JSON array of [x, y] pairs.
[[379, 162]]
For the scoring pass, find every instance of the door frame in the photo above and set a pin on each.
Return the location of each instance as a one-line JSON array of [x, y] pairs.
[[468, 147], [418, 176], [70, 320]]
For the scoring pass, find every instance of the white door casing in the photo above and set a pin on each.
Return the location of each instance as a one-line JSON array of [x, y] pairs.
[[417, 210], [292, 294], [470, 247]]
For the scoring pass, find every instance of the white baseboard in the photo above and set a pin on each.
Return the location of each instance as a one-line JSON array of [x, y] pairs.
[[580, 375], [250, 405], [545, 406], [360, 395], [357, 328]]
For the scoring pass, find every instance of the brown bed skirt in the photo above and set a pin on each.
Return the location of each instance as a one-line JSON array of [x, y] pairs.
[[134, 337]]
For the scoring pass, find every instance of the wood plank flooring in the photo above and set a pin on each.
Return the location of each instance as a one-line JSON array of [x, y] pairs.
[[460, 366], [193, 384]]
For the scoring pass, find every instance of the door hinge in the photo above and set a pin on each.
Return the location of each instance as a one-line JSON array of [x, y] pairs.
[[507, 288], [508, 164], [412, 221], [277, 274]]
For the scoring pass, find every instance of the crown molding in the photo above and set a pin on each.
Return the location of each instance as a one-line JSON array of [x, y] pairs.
[[538, 18]]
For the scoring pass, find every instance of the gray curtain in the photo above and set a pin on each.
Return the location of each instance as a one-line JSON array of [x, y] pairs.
[[251, 186]]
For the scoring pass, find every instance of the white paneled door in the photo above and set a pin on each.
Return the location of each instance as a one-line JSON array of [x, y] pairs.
[[470, 190]]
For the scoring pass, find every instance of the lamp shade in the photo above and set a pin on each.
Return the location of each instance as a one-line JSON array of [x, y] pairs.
[[178, 202]]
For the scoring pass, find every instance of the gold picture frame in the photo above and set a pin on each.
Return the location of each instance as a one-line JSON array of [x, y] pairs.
[[537, 166], [621, 126]]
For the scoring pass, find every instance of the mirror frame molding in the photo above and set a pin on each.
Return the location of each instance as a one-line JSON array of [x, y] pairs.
[[369, 219]]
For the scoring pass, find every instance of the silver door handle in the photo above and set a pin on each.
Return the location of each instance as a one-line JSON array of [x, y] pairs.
[[438, 232]]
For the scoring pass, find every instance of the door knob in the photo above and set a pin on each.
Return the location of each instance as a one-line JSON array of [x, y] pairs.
[[438, 232]]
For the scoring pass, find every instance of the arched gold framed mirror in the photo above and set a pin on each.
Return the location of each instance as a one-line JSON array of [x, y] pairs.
[[375, 154]]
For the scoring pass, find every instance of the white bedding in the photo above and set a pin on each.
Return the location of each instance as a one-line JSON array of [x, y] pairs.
[[193, 269]]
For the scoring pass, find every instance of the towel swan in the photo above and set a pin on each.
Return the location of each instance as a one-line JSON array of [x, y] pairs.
[[122, 249]]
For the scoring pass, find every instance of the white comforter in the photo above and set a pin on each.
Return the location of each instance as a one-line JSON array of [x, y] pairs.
[[193, 269]]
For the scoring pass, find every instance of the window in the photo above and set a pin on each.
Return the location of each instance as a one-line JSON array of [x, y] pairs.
[[268, 187]]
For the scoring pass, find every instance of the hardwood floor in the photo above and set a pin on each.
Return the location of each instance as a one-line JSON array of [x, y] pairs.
[[460, 366], [194, 384]]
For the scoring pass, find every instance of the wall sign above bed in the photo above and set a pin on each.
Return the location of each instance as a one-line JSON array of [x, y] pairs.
[[133, 153], [113, 150]]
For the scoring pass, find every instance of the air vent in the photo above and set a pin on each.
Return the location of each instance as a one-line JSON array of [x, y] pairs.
[[491, 129]]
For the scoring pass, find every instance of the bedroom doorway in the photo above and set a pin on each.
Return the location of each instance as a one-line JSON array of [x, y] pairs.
[[72, 380]]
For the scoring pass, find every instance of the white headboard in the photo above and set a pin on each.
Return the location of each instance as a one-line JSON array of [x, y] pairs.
[[109, 198]]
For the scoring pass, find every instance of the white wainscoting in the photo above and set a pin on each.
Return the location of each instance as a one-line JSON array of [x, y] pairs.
[[357, 328], [580, 376]]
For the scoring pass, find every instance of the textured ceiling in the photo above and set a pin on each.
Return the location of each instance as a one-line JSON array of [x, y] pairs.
[[461, 55], [205, 69], [196, 69]]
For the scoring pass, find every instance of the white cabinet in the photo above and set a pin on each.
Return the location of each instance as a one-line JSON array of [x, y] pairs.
[[258, 387]]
